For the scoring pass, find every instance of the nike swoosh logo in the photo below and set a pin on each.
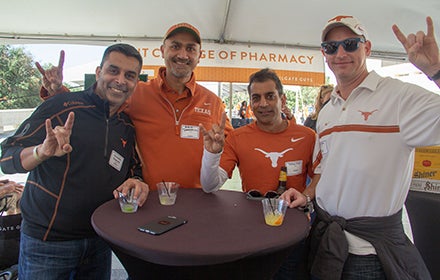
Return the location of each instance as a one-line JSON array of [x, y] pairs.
[[206, 104], [293, 140]]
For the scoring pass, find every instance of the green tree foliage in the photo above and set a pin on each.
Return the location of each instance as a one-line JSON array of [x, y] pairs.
[[19, 79]]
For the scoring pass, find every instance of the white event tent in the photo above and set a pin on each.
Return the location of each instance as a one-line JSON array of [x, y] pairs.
[[227, 26]]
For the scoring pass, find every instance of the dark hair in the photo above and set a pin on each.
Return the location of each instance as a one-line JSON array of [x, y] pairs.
[[265, 75], [125, 49]]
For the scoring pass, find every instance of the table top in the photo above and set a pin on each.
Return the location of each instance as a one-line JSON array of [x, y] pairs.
[[222, 227]]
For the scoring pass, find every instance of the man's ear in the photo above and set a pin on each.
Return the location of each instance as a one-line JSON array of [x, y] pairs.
[[283, 99], [368, 48], [97, 72], [162, 47]]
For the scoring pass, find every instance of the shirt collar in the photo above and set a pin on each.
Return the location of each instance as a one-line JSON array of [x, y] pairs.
[[370, 83], [190, 85]]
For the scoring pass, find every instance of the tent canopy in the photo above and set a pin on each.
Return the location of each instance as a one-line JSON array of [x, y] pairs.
[[287, 23]]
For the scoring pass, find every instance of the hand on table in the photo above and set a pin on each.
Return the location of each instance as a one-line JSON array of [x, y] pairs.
[[294, 198], [141, 190]]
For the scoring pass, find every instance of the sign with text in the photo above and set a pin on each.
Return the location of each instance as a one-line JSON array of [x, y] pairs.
[[426, 174], [235, 63]]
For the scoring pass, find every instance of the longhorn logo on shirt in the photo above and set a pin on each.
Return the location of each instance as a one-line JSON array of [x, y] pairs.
[[366, 115], [274, 156], [124, 142]]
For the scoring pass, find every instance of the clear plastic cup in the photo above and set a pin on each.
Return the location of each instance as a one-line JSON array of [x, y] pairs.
[[167, 192], [128, 203], [274, 210]]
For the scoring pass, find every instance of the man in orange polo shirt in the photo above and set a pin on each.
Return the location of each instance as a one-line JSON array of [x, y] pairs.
[[167, 110]]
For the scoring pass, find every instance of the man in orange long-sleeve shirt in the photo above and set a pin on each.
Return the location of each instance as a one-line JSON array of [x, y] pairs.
[[167, 110]]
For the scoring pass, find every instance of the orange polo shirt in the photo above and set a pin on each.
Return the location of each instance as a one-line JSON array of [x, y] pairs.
[[169, 141]]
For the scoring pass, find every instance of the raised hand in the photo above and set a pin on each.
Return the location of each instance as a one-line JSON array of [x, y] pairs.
[[53, 77], [57, 142], [422, 49], [214, 139]]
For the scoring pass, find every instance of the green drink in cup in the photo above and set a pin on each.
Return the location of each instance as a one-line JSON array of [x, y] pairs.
[[127, 202], [167, 192]]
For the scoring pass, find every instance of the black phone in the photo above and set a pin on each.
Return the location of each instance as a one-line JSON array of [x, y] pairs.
[[162, 225]]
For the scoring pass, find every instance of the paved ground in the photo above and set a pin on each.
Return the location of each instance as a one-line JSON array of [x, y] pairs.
[[118, 271]]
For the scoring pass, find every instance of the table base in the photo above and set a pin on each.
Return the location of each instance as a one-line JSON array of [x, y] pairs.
[[257, 267]]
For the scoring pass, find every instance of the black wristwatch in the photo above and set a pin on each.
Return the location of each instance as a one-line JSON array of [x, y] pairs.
[[137, 178], [435, 77], [309, 205]]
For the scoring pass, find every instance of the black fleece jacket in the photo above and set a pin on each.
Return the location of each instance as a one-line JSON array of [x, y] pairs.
[[62, 192]]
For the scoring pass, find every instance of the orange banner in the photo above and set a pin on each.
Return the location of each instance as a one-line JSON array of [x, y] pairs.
[[241, 75]]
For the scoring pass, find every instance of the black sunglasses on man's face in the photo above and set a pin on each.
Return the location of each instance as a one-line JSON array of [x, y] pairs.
[[349, 45]]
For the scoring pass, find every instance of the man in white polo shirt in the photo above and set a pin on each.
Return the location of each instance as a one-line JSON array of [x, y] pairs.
[[368, 132]]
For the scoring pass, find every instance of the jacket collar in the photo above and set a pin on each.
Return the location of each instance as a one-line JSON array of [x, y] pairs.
[[97, 100]]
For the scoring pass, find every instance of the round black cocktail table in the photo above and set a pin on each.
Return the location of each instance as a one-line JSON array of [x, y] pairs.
[[225, 237]]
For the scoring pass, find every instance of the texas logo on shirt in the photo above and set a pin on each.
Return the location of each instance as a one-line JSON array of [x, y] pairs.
[[274, 156]]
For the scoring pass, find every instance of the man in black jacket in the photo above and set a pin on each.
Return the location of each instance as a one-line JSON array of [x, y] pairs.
[[84, 161]]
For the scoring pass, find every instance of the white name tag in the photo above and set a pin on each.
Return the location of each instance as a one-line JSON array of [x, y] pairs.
[[190, 131], [324, 148], [294, 167], [116, 160]]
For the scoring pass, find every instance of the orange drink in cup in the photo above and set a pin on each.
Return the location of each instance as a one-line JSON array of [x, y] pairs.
[[274, 210]]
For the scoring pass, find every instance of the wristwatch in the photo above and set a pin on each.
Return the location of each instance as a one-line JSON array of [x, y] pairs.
[[137, 178], [435, 77], [309, 205]]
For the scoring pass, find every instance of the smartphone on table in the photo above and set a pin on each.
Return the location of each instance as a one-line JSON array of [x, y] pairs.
[[162, 225]]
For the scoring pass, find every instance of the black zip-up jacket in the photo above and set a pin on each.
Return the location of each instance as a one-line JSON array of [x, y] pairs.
[[62, 192], [329, 247]]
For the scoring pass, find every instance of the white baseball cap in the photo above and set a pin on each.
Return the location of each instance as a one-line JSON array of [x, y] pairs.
[[349, 21]]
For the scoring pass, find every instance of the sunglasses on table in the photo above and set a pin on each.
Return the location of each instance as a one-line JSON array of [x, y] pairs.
[[349, 45], [257, 195]]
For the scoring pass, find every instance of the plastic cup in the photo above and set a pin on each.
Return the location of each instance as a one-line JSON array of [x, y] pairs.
[[274, 210], [128, 203], [167, 192]]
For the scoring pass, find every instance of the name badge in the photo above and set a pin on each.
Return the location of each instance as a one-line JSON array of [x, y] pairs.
[[324, 149], [116, 160], [190, 131], [294, 167]]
